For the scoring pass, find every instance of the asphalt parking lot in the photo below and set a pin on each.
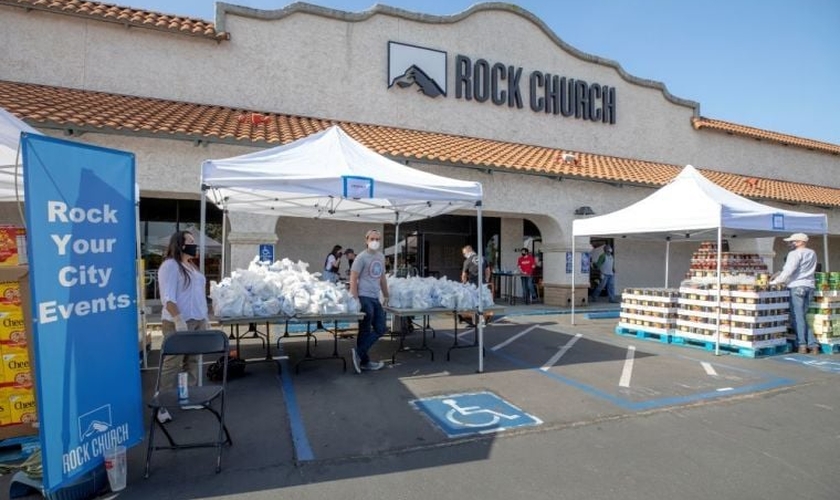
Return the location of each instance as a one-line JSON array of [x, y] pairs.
[[546, 384]]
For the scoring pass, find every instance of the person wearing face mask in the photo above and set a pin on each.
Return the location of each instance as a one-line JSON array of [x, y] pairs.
[[526, 264], [367, 282], [798, 275], [331, 264], [469, 274], [184, 302]]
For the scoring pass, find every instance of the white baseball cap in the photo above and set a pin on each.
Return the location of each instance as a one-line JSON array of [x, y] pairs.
[[797, 237]]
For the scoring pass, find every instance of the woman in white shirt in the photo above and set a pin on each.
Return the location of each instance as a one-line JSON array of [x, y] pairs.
[[184, 301]]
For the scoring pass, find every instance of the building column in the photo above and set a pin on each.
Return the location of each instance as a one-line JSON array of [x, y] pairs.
[[247, 233], [557, 282]]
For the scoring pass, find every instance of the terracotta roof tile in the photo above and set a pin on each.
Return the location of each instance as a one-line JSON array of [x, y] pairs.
[[757, 133], [81, 110], [123, 15]]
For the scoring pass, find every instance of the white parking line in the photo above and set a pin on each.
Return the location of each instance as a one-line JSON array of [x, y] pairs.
[[563, 350], [710, 370], [627, 372], [508, 341]]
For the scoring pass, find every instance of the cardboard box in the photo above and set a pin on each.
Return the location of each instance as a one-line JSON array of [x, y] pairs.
[[26, 406], [12, 246]]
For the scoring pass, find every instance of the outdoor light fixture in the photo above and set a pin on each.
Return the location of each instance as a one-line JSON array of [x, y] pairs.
[[584, 210]]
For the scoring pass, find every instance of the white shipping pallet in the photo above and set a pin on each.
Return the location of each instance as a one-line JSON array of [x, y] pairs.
[[731, 329], [636, 307], [651, 329], [736, 293], [735, 305], [733, 317], [729, 341], [649, 298], [640, 317]]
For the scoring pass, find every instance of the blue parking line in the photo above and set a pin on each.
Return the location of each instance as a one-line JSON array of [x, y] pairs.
[[770, 383], [303, 451]]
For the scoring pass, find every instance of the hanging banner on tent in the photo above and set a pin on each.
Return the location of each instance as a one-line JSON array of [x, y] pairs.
[[570, 264], [779, 222], [357, 187], [80, 220]]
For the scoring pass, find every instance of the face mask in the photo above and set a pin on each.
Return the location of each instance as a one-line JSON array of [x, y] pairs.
[[524, 254], [373, 245], [191, 250]]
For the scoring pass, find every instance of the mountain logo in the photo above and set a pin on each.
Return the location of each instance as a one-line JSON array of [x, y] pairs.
[[95, 422], [410, 65]]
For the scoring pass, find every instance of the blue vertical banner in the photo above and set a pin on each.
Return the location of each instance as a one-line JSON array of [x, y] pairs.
[[80, 222], [570, 263]]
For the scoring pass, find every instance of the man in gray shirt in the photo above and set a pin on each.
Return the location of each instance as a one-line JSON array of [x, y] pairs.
[[798, 275], [367, 281]]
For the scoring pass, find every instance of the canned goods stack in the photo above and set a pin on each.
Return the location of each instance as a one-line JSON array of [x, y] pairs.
[[824, 316], [650, 309], [753, 313], [704, 263]]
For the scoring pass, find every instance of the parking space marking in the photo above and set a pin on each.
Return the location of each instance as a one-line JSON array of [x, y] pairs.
[[627, 371], [765, 382], [710, 370], [511, 339], [563, 350]]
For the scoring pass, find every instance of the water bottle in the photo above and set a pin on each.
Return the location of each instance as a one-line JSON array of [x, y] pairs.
[[183, 386]]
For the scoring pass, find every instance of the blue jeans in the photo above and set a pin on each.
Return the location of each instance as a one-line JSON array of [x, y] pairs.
[[608, 281], [371, 327], [529, 291], [800, 298]]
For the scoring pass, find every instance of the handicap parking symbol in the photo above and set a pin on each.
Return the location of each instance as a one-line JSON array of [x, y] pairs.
[[475, 413]]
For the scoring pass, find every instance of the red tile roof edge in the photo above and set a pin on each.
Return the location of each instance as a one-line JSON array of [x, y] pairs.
[[101, 112]]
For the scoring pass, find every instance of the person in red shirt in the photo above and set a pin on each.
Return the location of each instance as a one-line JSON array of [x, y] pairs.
[[526, 264]]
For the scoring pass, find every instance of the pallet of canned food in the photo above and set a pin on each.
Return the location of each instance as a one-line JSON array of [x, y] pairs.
[[648, 310], [753, 315], [824, 311]]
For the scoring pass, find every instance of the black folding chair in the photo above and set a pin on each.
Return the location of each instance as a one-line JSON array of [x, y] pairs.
[[194, 343]]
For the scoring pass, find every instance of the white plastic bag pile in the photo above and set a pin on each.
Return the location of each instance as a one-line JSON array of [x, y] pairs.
[[427, 293], [283, 287]]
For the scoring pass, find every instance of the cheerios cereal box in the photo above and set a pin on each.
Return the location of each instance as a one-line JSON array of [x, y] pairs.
[[11, 237]]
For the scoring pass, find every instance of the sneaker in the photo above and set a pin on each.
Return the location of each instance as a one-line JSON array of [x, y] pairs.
[[163, 415], [816, 350], [356, 361], [803, 349], [372, 366]]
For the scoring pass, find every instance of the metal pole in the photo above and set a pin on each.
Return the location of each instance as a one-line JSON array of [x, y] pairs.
[[719, 282], [480, 290], [203, 229], [573, 279], [667, 259], [825, 251]]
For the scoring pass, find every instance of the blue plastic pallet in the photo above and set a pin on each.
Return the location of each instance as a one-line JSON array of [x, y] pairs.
[[830, 348], [747, 352], [643, 334]]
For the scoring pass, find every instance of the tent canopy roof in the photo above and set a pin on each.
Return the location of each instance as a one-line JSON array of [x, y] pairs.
[[330, 175], [692, 207], [10, 130]]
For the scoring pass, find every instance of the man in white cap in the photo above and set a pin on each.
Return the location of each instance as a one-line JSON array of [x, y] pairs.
[[798, 275]]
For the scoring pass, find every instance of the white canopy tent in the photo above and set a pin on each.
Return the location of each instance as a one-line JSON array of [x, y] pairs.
[[692, 207], [11, 177], [329, 175]]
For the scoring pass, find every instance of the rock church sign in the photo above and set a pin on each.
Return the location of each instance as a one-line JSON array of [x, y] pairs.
[[500, 84]]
